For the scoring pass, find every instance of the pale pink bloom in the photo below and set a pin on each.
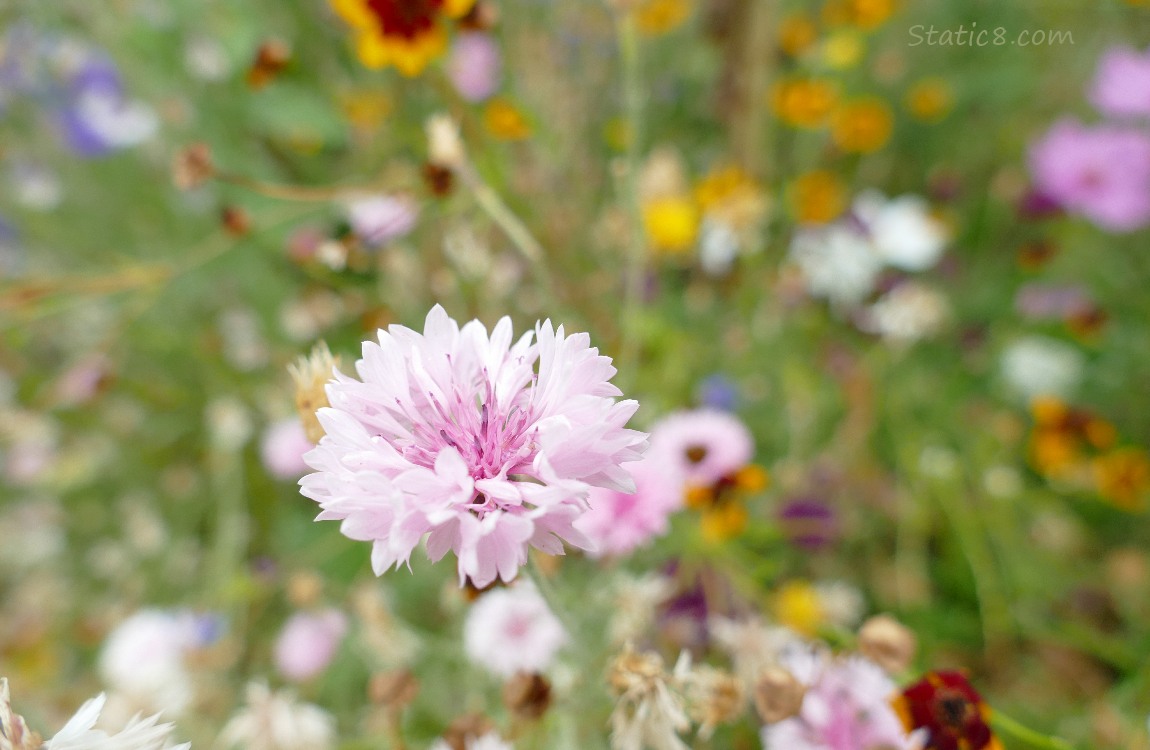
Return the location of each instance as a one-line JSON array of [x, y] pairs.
[[1101, 172], [283, 447], [143, 660], [308, 642], [702, 446], [474, 65], [618, 522], [1121, 86], [489, 741], [489, 446], [379, 219], [512, 630], [846, 707]]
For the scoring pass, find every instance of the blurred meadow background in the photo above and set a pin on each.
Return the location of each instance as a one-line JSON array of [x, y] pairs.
[[914, 266]]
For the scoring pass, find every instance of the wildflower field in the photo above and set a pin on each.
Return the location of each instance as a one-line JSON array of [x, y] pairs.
[[574, 374]]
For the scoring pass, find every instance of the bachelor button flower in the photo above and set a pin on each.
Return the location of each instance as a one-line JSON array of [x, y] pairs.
[[488, 445], [308, 643], [1101, 172], [846, 707], [618, 522], [703, 445], [474, 65], [282, 448], [408, 34], [139, 733], [511, 630], [1121, 86]]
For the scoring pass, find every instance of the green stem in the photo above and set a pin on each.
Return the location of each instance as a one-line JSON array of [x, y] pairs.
[[628, 39], [1008, 726], [547, 591]]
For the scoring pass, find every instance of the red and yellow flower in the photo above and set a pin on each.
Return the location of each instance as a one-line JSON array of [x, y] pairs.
[[722, 505], [950, 709], [407, 34]]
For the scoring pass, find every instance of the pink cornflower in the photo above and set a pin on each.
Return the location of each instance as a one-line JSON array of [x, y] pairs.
[[487, 446], [282, 449], [308, 643], [846, 707], [703, 446], [618, 522], [379, 219], [512, 630], [474, 65], [1121, 87], [1101, 172]]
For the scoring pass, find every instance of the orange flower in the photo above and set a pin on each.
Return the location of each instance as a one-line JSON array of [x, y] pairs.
[[818, 197], [656, 17], [796, 34], [504, 121], [803, 102], [930, 100], [1123, 477], [862, 126]]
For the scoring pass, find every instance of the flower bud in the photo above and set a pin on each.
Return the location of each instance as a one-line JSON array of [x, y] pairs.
[[888, 643], [778, 695], [192, 166]]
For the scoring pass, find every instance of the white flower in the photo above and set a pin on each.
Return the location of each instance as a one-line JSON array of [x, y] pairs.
[[512, 630], [118, 123], [1040, 366], [909, 312], [277, 721], [842, 603], [902, 230], [718, 246], [838, 263], [139, 734], [489, 741], [142, 661]]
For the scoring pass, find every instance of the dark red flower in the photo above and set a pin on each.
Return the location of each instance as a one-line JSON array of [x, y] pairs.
[[945, 704]]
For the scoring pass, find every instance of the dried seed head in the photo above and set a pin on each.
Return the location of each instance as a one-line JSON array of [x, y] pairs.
[[714, 697], [527, 695], [888, 643], [394, 690], [778, 695], [14, 733], [192, 166], [235, 221], [465, 729], [271, 58], [311, 375]]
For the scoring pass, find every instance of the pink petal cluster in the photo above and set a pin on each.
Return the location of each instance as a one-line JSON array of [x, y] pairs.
[[512, 630], [702, 446], [618, 522], [308, 643], [1100, 172], [475, 65], [846, 707], [379, 219], [1121, 86], [486, 445], [282, 449]]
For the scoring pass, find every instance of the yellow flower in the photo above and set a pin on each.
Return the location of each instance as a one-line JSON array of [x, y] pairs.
[[842, 50], [504, 121], [723, 521], [797, 605], [1123, 478], [862, 126], [804, 103], [796, 34], [671, 223], [660, 16], [407, 34], [817, 197], [930, 99]]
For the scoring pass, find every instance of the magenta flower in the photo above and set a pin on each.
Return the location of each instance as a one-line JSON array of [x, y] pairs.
[[1101, 172], [485, 445], [618, 522], [474, 65], [1121, 86]]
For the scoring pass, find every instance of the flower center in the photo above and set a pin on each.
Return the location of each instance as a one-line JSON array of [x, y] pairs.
[[405, 18]]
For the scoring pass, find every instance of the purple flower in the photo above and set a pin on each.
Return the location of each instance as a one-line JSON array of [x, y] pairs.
[[718, 392], [379, 219], [98, 118], [474, 66], [1101, 172], [807, 522], [1121, 85], [486, 445]]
